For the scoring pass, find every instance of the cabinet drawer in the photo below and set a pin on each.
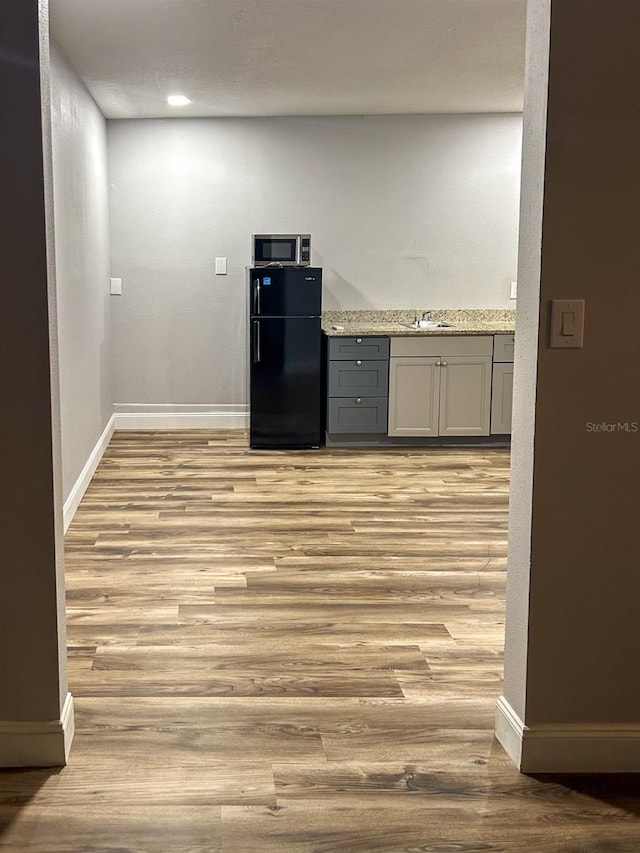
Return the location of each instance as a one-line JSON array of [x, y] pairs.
[[363, 347], [503, 346], [357, 414], [358, 378], [435, 345]]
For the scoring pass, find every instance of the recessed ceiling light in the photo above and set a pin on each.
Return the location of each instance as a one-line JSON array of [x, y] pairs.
[[178, 100]]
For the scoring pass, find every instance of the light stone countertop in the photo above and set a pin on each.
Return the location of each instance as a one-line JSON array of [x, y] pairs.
[[472, 321]]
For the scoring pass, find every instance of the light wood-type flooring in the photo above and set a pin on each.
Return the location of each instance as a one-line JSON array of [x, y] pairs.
[[294, 652]]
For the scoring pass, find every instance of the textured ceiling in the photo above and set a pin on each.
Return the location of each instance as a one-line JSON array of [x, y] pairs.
[[295, 57]]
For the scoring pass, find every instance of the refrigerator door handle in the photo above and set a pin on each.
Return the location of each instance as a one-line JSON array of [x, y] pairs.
[[256, 296], [256, 341]]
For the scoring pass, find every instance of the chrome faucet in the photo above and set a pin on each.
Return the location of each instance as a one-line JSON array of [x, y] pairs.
[[426, 320]]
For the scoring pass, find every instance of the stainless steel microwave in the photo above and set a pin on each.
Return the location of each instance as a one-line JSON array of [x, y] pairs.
[[281, 250]]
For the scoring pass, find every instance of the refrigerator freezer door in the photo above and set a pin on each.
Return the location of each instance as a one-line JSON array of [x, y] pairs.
[[294, 292], [285, 382]]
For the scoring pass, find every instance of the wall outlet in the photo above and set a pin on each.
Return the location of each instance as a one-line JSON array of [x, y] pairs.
[[116, 286], [513, 292]]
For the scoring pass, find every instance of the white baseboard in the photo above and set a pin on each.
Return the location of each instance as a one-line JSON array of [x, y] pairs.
[[73, 501], [160, 416], [509, 731], [568, 748], [38, 744]]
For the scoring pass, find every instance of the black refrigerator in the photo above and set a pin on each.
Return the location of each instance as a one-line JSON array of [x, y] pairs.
[[284, 356]]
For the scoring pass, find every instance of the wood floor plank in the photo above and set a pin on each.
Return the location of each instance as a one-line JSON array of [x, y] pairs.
[[139, 828], [258, 632], [423, 825], [374, 611], [218, 657], [268, 681]]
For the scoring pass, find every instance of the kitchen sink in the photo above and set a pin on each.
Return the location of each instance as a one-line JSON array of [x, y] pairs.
[[427, 325]]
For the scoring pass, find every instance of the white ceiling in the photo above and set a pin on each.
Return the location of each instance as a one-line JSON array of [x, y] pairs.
[[295, 57]]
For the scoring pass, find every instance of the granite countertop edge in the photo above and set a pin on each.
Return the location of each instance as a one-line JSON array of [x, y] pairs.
[[474, 321]]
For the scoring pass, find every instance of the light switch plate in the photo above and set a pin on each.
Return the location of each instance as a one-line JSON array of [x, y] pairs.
[[116, 286], [221, 266], [567, 324], [513, 291]]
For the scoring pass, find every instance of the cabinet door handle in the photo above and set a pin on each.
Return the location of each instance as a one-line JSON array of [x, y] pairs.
[[438, 364], [444, 364], [358, 340], [358, 363], [358, 399]]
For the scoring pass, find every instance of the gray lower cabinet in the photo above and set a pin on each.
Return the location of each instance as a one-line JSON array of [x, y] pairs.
[[357, 384], [502, 384], [440, 386], [420, 386]]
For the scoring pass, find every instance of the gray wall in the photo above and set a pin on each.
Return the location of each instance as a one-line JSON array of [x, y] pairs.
[[80, 186], [575, 549], [405, 212]]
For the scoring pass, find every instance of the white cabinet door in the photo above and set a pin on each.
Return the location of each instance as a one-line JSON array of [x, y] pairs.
[[501, 399], [414, 392], [465, 395]]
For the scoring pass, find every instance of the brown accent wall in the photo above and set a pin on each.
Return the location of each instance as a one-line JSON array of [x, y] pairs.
[[586, 519], [573, 658], [32, 635]]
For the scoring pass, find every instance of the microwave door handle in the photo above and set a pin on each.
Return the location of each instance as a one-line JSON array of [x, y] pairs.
[[256, 296], [256, 341]]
